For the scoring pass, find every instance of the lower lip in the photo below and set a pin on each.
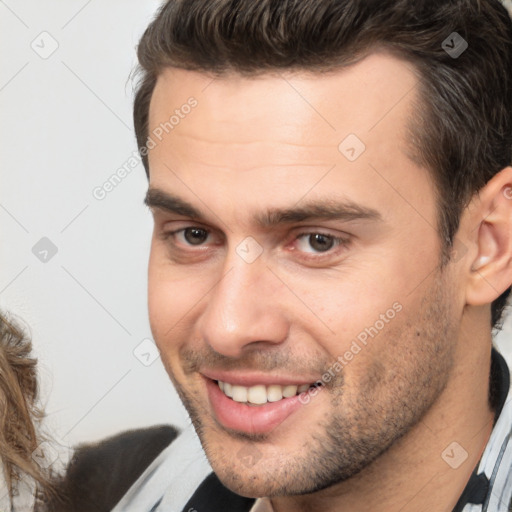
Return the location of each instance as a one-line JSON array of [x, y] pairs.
[[258, 419]]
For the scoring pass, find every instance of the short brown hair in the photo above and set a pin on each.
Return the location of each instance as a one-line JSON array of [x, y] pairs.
[[461, 131]]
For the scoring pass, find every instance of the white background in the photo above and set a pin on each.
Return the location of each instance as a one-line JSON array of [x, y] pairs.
[[65, 129]]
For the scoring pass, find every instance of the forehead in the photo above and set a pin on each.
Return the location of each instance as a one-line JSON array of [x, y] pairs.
[[264, 133], [354, 99]]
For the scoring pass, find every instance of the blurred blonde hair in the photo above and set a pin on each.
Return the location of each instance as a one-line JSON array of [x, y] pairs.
[[19, 412]]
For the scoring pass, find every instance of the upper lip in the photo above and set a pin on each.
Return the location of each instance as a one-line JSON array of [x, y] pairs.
[[249, 379]]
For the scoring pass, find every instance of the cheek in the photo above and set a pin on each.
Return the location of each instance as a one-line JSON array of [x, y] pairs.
[[167, 300], [175, 298], [365, 312], [352, 307]]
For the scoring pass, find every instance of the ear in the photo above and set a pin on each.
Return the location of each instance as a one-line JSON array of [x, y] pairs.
[[491, 270]]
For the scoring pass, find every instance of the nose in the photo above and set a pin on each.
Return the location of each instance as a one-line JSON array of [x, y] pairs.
[[244, 309]]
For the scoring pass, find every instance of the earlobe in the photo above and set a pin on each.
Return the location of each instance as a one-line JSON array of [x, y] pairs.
[[491, 270]]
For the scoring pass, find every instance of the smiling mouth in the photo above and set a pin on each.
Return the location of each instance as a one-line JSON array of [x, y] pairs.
[[261, 394]]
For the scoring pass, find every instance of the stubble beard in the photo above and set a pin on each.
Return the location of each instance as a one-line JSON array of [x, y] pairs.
[[399, 387]]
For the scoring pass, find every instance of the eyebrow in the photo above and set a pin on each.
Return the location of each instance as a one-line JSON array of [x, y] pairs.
[[327, 209]]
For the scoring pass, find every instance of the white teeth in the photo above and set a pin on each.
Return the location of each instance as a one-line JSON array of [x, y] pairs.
[[289, 391], [239, 393], [228, 389], [274, 393], [257, 395], [260, 394]]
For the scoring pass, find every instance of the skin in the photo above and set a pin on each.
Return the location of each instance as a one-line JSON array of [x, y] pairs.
[[373, 437]]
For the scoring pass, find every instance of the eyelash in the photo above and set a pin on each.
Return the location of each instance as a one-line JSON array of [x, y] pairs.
[[340, 243]]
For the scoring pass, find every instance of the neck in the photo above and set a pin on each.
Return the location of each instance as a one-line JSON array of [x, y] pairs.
[[428, 468]]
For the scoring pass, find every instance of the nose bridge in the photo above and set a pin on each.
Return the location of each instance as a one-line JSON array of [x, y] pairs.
[[243, 308]]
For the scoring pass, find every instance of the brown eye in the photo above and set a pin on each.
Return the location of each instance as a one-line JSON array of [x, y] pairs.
[[195, 236], [320, 243]]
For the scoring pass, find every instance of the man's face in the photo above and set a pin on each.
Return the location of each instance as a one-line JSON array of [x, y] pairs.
[[284, 258]]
